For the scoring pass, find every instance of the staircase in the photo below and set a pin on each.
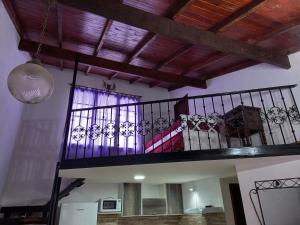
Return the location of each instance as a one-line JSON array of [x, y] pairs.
[[15, 215]]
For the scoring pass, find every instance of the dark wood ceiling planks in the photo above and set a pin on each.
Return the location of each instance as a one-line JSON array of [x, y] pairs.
[[272, 24]]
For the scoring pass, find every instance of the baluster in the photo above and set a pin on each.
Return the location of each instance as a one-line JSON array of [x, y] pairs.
[[237, 128], [86, 136], [246, 125], [144, 129], [188, 129], [152, 127], [280, 126], [93, 122], [161, 129], [102, 141], [76, 151], [116, 142], [170, 126], [261, 133], [204, 109], [295, 104], [127, 136], [216, 121], [198, 131], [70, 136], [251, 99], [112, 128], [225, 123], [293, 98], [135, 126], [288, 115], [265, 112]]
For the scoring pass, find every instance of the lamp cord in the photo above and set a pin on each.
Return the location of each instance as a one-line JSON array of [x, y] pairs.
[[51, 3]]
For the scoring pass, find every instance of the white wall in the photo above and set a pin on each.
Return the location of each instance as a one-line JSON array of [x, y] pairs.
[[92, 192], [258, 76], [206, 192], [251, 170], [11, 109], [41, 131]]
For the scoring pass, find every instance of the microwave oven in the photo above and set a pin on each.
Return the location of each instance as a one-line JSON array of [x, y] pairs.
[[110, 205]]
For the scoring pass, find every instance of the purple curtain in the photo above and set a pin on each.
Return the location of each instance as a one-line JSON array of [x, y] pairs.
[[103, 132]]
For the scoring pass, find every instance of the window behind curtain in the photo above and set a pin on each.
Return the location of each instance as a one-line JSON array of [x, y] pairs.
[[105, 143]]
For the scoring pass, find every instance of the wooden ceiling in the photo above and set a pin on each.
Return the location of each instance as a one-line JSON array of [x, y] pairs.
[[112, 38]]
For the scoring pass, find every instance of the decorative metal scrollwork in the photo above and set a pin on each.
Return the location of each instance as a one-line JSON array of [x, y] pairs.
[[277, 115], [160, 124], [144, 127], [278, 183], [294, 114], [109, 130], [78, 133], [127, 129], [94, 131]]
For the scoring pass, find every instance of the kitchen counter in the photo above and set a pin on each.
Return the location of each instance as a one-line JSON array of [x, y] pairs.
[[197, 219]]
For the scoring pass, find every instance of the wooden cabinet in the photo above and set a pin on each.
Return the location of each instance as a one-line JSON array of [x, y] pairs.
[[242, 122]]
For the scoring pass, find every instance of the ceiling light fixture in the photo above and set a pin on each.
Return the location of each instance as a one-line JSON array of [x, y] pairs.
[[139, 177], [31, 83], [191, 189]]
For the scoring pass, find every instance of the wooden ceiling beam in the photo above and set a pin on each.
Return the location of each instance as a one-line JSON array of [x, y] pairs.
[[237, 15], [230, 20], [167, 27], [211, 59], [100, 43], [56, 52], [280, 30], [59, 12], [138, 49], [177, 54], [173, 12]]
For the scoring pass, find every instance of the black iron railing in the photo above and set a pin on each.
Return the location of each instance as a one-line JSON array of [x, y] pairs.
[[256, 117]]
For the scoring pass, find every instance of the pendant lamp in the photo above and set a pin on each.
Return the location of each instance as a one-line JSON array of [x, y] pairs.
[[31, 83]]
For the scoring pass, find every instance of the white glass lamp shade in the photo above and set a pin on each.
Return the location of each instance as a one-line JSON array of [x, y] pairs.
[[30, 83]]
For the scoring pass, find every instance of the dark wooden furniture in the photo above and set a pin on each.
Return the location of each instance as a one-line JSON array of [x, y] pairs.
[[181, 107], [242, 122]]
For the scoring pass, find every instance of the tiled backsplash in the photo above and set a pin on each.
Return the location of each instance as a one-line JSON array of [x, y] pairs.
[[208, 219]]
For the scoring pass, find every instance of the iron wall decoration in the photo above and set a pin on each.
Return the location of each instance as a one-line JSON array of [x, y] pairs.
[[270, 185]]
